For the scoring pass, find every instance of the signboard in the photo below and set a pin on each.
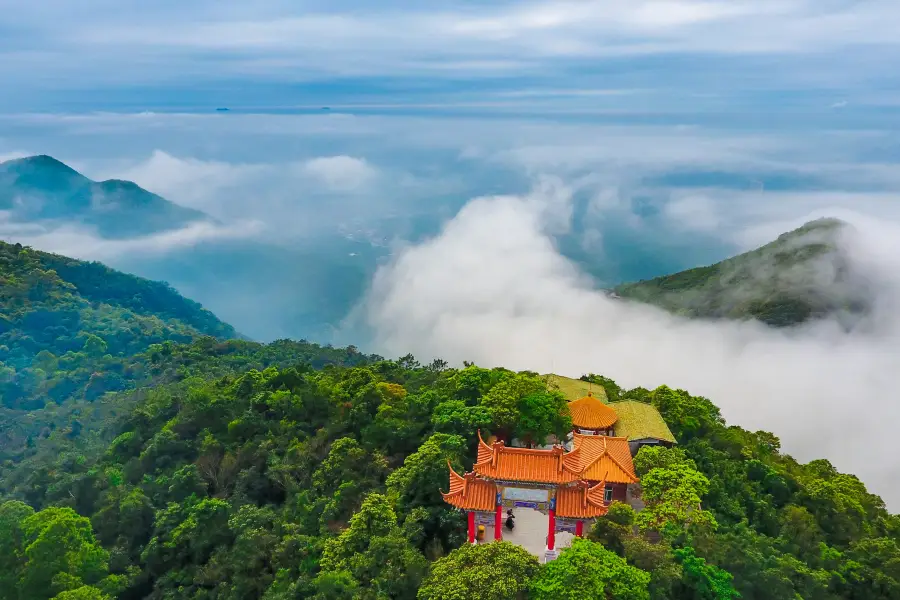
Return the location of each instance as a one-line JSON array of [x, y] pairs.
[[530, 495], [483, 518], [567, 525]]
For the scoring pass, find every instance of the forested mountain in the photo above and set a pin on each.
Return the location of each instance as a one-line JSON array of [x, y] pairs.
[[802, 275], [41, 188], [233, 470], [63, 322], [299, 482]]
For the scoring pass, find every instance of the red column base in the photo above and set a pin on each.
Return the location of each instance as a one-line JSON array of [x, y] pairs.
[[471, 516], [498, 523], [579, 528]]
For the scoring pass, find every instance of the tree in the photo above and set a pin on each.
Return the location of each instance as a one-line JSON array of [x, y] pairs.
[[418, 484], [12, 557], [503, 399], [495, 571], [60, 551], [705, 581], [541, 414], [456, 417], [346, 475], [672, 497], [85, 592], [613, 528], [672, 488], [375, 553], [588, 570], [687, 416]]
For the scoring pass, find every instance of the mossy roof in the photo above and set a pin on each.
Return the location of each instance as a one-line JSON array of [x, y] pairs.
[[573, 389], [638, 421]]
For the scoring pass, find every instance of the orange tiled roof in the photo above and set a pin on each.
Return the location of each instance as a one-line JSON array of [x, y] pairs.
[[581, 501], [591, 413], [527, 464], [604, 458], [470, 493]]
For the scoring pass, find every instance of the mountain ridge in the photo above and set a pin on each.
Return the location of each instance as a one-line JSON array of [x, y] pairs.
[[803, 275], [42, 188]]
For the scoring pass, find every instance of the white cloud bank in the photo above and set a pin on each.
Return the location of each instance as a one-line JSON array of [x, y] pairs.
[[341, 173], [78, 242], [493, 288]]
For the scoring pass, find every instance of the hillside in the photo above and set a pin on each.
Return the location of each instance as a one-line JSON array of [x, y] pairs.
[[803, 275], [229, 469], [41, 188], [325, 483], [60, 314]]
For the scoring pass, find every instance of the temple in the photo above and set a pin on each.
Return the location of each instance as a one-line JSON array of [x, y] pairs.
[[570, 483]]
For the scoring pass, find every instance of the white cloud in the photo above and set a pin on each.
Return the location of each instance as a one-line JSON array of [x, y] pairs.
[[693, 212], [188, 181], [77, 242], [272, 41], [342, 173], [493, 288]]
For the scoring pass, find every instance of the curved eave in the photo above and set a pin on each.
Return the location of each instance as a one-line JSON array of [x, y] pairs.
[[581, 502], [469, 492]]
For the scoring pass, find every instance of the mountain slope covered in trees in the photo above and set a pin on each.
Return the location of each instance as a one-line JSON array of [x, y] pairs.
[[233, 470], [60, 315], [299, 482], [803, 275]]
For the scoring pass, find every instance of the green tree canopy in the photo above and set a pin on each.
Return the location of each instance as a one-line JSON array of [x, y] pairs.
[[588, 570], [495, 571]]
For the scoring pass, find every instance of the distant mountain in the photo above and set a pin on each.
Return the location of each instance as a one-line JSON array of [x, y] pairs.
[[802, 275], [41, 188], [56, 310]]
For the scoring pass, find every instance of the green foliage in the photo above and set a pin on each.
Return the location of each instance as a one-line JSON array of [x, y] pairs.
[[781, 284], [542, 414], [380, 561], [504, 399], [48, 553], [495, 571], [672, 488], [706, 582], [60, 314], [588, 570]]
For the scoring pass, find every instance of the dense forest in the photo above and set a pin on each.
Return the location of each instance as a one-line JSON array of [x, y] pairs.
[[66, 325], [304, 482], [231, 470]]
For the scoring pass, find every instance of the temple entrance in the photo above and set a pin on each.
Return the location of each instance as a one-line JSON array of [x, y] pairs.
[[530, 531]]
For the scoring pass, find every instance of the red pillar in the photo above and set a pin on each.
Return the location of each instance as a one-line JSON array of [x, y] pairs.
[[498, 522], [579, 528], [551, 534], [471, 515]]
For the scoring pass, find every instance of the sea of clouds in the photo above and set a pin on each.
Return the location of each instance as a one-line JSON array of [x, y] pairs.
[[493, 288]]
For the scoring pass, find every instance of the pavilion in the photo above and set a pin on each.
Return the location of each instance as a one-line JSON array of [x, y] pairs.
[[572, 483], [570, 487]]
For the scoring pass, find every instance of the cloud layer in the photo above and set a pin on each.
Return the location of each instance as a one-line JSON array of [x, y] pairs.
[[276, 55], [493, 288]]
